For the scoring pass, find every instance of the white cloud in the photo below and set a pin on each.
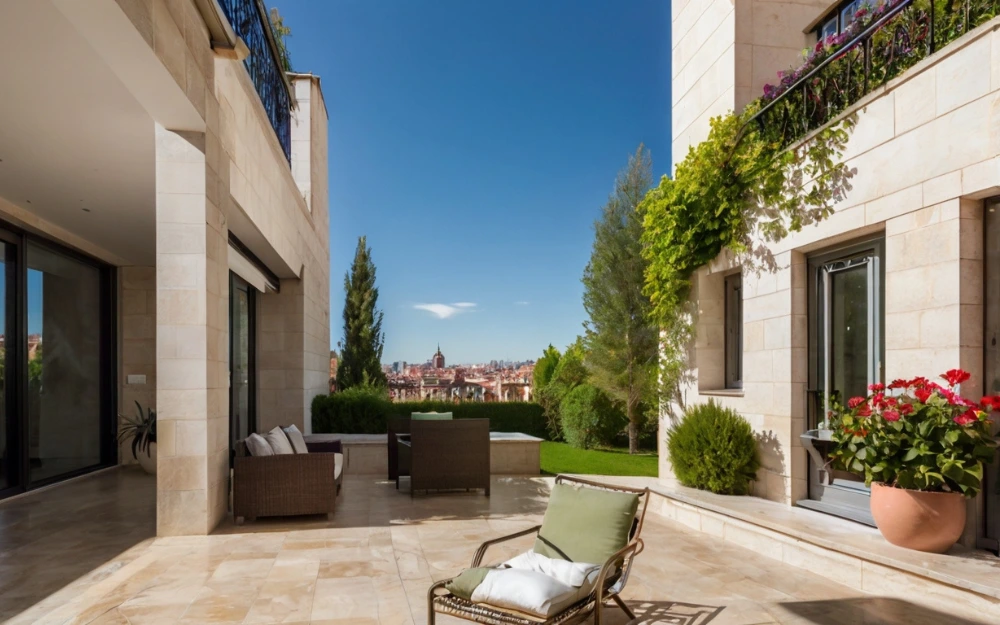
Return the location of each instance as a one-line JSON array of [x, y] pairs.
[[521, 303], [444, 311]]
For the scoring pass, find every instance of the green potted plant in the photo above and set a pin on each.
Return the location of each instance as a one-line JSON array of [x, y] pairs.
[[140, 432], [921, 447]]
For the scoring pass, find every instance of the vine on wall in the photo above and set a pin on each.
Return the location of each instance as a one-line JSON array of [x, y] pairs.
[[739, 190]]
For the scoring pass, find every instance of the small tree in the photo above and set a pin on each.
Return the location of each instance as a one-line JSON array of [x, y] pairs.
[[589, 417], [361, 352], [621, 335], [545, 367], [281, 33]]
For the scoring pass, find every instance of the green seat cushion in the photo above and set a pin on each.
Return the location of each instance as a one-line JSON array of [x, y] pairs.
[[467, 581], [584, 524], [431, 416]]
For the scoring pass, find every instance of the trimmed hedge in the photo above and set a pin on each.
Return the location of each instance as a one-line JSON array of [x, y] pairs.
[[365, 413], [713, 448]]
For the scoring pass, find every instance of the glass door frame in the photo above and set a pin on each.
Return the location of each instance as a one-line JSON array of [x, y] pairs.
[[16, 350], [841, 497], [238, 283]]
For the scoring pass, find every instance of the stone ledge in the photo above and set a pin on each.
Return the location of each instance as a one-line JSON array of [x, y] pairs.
[[843, 551]]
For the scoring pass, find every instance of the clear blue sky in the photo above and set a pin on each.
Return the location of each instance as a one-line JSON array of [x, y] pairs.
[[474, 143]]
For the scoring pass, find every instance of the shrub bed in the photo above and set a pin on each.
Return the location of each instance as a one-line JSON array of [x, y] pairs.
[[362, 412]]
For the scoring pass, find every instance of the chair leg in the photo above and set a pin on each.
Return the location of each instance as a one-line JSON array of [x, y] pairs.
[[621, 604]]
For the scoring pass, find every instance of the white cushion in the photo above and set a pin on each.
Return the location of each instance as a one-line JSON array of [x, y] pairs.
[[257, 446], [279, 442], [338, 466], [296, 439]]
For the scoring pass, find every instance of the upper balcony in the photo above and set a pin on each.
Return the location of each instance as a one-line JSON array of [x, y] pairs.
[[881, 42], [250, 23]]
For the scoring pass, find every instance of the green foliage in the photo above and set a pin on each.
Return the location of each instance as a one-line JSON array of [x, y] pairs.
[[139, 430], [361, 350], [569, 372], [928, 438], [281, 34], [737, 190], [589, 417], [545, 368], [621, 336], [559, 458], [713, 448], [366, 410]]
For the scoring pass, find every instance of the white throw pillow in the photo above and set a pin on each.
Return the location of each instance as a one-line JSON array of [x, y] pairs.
[[279, 442], [296, 439], [257, 446], [526, 591]]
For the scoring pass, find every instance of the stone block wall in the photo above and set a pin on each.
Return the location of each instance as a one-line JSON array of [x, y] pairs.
[[137, 332]]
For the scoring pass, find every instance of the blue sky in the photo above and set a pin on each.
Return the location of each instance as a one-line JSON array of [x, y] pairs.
[[474, 143]]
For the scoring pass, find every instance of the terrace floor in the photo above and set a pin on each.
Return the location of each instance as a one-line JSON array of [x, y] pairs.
[[85, 552]]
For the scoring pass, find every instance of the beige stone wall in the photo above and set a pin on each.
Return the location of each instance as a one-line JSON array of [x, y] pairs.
[[724, 52], [230, 176], [137, 338], [926, 152]]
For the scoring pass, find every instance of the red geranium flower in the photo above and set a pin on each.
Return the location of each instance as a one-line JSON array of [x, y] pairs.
[[905, 408], [864, 410], [890, 415], [854, 402], [923, 394], [956, 376], [899, 383], [991, 403], [878, 386], [968, 417], [919, 382]]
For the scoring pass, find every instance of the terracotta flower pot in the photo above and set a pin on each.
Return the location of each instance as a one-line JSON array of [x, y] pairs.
[[920, 520]]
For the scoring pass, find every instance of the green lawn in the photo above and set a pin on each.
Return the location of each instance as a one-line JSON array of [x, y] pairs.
[[561, 458]]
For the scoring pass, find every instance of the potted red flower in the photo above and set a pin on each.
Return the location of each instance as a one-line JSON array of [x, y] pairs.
[[921, 447]]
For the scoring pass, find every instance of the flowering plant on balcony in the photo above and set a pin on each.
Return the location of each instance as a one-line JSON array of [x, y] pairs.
[[917, 434]]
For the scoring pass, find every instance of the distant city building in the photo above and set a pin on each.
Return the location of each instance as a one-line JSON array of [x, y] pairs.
[[437, 361], [399, 366]]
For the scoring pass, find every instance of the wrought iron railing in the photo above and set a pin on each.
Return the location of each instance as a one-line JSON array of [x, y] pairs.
[[889, 37], [250, 22]]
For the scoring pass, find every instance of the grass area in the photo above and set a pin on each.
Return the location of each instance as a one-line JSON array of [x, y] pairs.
[[562, 458]]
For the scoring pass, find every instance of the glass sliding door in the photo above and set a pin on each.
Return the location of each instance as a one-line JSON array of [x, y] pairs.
[[846, 354], [242, 359], [64, 363], [57, 363]]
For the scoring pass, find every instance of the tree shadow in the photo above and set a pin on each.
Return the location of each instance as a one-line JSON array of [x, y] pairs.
[[871, 611], [769, 447]]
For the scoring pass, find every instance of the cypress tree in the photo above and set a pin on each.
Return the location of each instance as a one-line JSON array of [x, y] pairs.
[[361, 353], [621, 341]]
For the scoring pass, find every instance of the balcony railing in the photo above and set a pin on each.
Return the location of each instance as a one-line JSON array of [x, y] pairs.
[[250, 22], [885, 40]]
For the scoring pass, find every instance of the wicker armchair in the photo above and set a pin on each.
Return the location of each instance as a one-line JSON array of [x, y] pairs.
[[610, 582], [447, 455], [284, 485], [395, 425]]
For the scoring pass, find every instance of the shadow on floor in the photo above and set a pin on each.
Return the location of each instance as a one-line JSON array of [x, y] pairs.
[[872, 611], [672, 612], [52, 537]]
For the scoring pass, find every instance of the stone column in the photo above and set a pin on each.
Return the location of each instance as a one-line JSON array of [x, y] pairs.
[[191, 335], [137, 298]]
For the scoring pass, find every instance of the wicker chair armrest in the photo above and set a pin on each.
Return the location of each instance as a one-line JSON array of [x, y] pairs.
[[295, 472], [481, 552]]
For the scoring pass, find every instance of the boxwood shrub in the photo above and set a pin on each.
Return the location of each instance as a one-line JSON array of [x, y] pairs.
[[363, 412], [713, 448]]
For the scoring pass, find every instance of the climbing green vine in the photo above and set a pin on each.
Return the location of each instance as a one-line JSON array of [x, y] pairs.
[[740, 190]]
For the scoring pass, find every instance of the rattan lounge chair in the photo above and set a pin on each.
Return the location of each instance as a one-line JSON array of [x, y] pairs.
[[610, 582]]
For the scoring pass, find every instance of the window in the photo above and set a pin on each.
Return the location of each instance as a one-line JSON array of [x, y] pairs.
[[828, 28], [734, 330], [847, 14]]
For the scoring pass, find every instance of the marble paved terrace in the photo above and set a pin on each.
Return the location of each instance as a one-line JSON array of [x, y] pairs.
[[85, 552]]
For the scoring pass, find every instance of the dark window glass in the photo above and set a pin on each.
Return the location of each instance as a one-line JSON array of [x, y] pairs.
[[991, 357], [63, 364], [734, 331]]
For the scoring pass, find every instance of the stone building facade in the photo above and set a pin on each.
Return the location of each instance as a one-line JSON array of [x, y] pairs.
[[901, 281], [198, 192]]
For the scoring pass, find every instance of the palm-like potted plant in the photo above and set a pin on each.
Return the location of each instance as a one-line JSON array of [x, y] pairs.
[[140, 432], [921, 447]]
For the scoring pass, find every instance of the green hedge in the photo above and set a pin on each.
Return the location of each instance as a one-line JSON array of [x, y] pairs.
[[364, 413]]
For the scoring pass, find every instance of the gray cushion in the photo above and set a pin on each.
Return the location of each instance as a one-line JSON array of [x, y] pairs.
[[430, 416], [296, 439], [257, 446], [279, 442], [467, 581]]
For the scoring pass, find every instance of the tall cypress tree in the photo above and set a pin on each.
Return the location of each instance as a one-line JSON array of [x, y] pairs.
[[620, 338], [361, 352]]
